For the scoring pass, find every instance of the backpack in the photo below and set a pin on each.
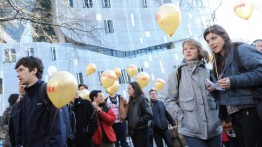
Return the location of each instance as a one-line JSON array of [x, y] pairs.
[[256, 91]]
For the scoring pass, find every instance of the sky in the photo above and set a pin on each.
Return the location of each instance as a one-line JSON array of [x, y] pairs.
[[240, 29]]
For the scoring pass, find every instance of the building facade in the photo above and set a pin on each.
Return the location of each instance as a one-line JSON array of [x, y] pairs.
[[126, 32]]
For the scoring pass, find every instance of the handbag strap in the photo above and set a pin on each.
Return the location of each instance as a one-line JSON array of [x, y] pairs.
[[90, 119]]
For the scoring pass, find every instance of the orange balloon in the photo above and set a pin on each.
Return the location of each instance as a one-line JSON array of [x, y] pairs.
[[244, 9], [61, 88], [113, 89], [108, 78], [117, 72], [143, 79], [131, 70], [168, 18], [159, 84], [90, 69], [84, 94]]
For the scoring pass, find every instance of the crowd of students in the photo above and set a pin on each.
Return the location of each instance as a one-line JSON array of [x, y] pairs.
[[195, 97]]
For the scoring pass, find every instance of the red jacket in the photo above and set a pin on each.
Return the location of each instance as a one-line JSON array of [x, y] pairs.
[[107, 120]]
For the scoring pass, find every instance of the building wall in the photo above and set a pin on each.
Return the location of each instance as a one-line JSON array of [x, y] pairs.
[[74, 60]]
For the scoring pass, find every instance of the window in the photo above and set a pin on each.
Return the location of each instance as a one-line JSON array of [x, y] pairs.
[[88, 3], [71, 4], [124, 78], [109, 26], [30, 52], [106, 3], [145, 3], [53, 51], [10, 55], [99, 76], [1, 85], [140, 69], [80, 78]]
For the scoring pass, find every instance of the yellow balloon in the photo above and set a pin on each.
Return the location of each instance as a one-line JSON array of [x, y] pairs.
[[108, 78], [117, 72], [168, 18], [159, 84], [90, 69], [131, 70], [61, 88], [143, 79], [84, 94], [113, 89], [244, 9]]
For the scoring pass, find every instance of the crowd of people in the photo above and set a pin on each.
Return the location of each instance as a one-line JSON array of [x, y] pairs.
[[200, 100]]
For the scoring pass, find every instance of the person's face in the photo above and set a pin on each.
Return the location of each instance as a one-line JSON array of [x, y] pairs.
[[130, 90], [81, 88], [26, 77], [259, 45], [190, 51], [215, 42], [153, 95], [99, 99]]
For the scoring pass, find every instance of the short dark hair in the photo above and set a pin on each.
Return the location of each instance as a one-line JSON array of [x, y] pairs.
[[152, 90], [31, 63], [84, 85], [12, 98], [94, 94]]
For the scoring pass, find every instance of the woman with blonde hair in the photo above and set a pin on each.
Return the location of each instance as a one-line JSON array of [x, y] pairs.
[[189, 102]]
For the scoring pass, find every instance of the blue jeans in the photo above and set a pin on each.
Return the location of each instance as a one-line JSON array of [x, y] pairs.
[[197, 142], [120, 130]]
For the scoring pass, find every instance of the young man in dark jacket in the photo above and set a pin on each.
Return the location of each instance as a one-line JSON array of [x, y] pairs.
[[160, 121], [39, 124]]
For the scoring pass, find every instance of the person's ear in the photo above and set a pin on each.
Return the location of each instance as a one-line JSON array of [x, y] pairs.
[[34, 71]]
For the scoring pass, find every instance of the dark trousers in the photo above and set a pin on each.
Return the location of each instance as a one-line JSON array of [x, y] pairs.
[[140, 137], [159, 135], [211, 142], [248, 127], [120, 130]]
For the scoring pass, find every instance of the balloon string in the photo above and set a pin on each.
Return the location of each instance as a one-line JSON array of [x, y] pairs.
[[52, 123]]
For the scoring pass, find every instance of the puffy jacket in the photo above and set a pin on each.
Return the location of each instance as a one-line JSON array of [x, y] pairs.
[[139, 115], [240, 92], [193, 106]]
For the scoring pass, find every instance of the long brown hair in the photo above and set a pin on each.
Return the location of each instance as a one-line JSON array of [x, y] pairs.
[[138, 92], [219, 60]]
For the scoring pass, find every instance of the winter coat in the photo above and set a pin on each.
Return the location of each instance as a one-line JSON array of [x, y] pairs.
[[40, 125], [122, 107], [106, 119], [4, 125], [160, 116], [240, 83], [85, 114], [193, 106], [13, 122], [139, 114]]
